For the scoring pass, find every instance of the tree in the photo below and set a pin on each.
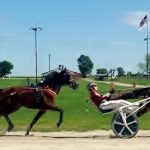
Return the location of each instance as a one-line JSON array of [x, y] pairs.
[[143, 66], [5, 68], [120, 71], [85, 65], [101, 71], [129, 73]]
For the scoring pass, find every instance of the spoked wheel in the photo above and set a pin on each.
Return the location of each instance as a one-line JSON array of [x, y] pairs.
[[125, 130]]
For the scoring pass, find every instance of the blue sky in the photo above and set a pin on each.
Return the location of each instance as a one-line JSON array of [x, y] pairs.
[[105, 30]]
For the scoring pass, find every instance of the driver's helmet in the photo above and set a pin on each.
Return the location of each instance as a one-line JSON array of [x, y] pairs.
[[91, 85]]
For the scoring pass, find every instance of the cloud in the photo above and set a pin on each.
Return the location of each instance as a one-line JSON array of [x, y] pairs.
[[134, 18]]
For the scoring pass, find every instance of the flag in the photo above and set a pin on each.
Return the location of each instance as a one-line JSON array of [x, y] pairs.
[[143, 21]]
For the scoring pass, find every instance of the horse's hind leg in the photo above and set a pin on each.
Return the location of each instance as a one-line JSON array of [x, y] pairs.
[[36, 118], [143, 110], [10, 124]]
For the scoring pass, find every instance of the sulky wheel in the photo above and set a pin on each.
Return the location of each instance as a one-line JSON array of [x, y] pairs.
[[125, 130]]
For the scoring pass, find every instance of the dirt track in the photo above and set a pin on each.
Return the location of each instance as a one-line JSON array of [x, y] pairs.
[[116, 83], [93, 140]]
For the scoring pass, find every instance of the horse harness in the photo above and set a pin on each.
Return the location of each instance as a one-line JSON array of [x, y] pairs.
[[38, 94]]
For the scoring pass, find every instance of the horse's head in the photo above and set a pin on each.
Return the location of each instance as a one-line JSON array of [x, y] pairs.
[[61, 77], [65, 77]]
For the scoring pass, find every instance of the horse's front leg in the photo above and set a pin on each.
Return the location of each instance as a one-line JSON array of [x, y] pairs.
[[36, 118], [61, 111]]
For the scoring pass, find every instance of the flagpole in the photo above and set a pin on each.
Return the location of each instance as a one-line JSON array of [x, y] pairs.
[[147, 63], [145, 20]]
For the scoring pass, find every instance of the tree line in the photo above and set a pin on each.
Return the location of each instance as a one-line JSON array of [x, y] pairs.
[[85, 66]]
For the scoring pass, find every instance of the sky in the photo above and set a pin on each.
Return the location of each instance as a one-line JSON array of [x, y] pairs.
[[105, 30]]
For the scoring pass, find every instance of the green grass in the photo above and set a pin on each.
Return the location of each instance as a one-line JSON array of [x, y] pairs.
[[14, 82], [131, 80], [79, 115]]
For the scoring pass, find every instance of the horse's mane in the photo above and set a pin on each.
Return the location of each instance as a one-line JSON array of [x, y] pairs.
[[57, 78], [50, 79]]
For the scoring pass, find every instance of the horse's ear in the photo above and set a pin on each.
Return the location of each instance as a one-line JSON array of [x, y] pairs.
[[65, 69]]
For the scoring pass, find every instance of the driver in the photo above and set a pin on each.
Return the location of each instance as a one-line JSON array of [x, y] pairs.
[[103, 103]]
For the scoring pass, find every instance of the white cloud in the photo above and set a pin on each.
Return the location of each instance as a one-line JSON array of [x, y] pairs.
[[134, 18]]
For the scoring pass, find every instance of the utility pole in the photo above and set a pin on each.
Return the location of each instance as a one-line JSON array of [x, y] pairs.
[[49, 61], [35, 31]]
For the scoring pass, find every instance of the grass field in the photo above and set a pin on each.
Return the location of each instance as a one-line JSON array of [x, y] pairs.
[[137, 80], [79, 114]]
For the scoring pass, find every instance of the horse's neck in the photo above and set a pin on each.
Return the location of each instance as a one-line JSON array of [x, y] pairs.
[[56, 89]]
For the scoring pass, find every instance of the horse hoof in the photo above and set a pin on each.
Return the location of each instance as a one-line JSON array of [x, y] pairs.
[[9, 128], [58, 125], [27, 134]]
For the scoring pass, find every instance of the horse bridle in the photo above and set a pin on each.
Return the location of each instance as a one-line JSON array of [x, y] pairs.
[[73, 84]]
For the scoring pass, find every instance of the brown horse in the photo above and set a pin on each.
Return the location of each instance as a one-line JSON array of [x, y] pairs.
[[43, 98]]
